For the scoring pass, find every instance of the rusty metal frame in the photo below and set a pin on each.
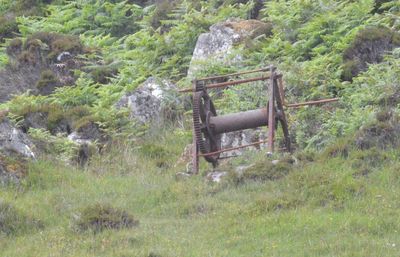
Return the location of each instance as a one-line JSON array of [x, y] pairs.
[[276, 100]]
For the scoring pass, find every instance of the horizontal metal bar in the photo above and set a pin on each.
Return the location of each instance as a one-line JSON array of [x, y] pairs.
[[312, 102], [235, 74], [234, 148], [231, 83], [239, 121]]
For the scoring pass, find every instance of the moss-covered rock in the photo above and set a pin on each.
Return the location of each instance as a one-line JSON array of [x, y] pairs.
[[264, 170], [369, 46], [98, 217]]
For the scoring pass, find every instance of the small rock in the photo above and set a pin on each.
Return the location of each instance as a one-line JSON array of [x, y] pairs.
[[182, 175], [86, 138], [216, 176], [275, 162]]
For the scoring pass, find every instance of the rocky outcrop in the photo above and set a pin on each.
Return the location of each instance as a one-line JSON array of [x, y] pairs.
[[218, 45], [154, 100], [15, 149], [14, 142], [42, 63]]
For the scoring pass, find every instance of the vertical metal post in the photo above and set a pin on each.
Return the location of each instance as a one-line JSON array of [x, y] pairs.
[[195, 151], [271, 112]]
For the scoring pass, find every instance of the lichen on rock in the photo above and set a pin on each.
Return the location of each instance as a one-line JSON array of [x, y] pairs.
[[151, 101], [218, 44]]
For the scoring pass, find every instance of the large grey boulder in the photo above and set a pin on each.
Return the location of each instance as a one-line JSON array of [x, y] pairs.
[[153, 100], [14, 142], [218, 44], [240, 138]]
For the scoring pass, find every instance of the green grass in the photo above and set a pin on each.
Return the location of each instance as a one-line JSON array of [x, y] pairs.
[[320, 208]]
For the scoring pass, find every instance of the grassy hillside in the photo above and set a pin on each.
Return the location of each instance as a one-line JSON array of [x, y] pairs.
[[323, 207], [337, 195]]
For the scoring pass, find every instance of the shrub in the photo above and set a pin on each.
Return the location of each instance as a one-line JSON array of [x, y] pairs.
[[55, 44], [47, 82], [102, 216], [14, 47], [269, 204], [369, 46]]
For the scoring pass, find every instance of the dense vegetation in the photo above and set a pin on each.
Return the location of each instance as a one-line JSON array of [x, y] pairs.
[[338, 195]]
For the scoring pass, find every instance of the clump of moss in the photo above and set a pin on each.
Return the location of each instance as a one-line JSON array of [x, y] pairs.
[[265, 170], [268, 204], [64, 43], [368, 47], [29, 7], [12, 221], [57, 43], [27, 58], [98, 217], [8, 26], [365, 161], [44, 48], [47, 82], [14, 47]]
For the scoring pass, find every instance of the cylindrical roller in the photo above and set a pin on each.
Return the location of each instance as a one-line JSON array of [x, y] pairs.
[[239, 121]]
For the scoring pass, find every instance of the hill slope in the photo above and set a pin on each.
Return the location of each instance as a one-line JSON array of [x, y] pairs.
[[125, 195]]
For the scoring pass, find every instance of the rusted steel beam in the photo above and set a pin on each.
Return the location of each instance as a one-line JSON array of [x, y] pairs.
[[234, 74], [234, 148], [282, 90], [312, 102], [195, 150], [282, 117], [271, 113], [230, 83]]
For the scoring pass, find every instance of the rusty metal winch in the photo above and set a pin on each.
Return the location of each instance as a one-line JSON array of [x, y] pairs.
[[208, 127]]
